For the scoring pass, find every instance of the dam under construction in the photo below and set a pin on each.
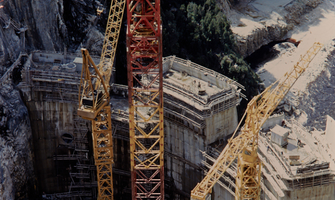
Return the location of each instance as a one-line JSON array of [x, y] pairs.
[[69, 130], [194, 133], [62, 140]]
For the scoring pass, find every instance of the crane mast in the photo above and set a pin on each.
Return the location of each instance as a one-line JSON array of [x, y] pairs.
[[244, 146], [145, 83], [94, 100]]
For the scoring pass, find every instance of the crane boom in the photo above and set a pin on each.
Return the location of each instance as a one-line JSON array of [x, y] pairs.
[[111, 38], [245, 144], [94, 100]]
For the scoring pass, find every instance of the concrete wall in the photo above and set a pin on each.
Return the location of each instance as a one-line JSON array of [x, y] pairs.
[[324, 192], [183, 148], [201, 72], [182, 153], [59, 57], [221, 124], [272, 121], [183, 139], [220, 193], [49, 120]]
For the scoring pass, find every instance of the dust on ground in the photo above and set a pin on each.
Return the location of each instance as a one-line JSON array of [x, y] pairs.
[[318, 27], [315, 88]]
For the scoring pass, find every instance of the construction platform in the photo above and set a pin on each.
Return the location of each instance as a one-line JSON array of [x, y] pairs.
[[199, 109], [301, 168]]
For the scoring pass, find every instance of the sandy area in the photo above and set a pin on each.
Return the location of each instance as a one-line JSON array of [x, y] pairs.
[[318, 27], [316, 101]]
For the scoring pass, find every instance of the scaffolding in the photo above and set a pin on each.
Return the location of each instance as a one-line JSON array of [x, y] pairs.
[[45, 80]]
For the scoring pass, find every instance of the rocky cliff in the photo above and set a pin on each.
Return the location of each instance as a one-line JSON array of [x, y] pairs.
[[50, 25], [44, 22], [257, 23], [16, 159], [55, 24]]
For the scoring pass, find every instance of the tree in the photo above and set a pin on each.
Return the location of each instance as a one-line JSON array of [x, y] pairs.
[[199, 31]]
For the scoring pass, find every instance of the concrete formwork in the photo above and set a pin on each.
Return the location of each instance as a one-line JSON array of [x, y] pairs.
[[322, 192], [62, 142], [199, 108]]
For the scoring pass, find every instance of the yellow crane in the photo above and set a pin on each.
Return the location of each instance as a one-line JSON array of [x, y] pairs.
[[244, 146], [94, 99]]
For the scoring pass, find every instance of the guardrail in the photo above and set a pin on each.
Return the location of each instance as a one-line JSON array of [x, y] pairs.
[[202, 69]]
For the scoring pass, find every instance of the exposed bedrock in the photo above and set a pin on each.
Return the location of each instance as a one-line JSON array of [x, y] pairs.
[[254, 27], [50, 25], [16, 165], [260, 36]]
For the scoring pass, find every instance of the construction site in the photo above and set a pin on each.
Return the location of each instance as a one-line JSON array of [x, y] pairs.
[[174, 131]]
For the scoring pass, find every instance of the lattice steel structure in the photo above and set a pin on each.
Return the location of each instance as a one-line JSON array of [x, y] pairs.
[[94, 100], [245, 145], [94, 106], [144, 55], [112, 33]]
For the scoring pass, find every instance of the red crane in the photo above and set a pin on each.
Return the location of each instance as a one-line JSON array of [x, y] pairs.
[[144, 65]]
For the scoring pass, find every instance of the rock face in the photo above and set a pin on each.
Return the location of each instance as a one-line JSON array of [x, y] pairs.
[[16, 164], [298, 8], [51, 25], [44, 22], [257, 23], [262, 35], [48, 25]]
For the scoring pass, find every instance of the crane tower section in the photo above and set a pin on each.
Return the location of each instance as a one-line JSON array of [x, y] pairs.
[[244, 147], [94, 100], [144, 65], [94, 106]]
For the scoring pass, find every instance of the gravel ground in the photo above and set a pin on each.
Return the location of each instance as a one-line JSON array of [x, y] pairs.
[[311, 97], [319, 99]]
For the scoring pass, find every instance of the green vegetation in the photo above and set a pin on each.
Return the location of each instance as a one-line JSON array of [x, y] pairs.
[[200, 32]]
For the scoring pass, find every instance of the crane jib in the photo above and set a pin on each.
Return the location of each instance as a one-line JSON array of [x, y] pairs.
[[244, 146]]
